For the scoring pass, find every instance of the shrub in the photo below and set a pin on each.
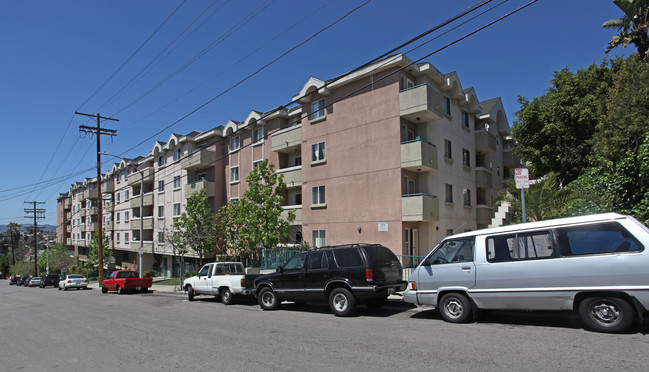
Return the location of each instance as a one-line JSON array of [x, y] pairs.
[[149, 273]]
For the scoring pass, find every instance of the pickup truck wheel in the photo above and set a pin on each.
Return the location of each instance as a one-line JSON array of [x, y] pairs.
[[144, 290], [342, 302], [190, 293], [103, 289], [120, 290], [455, 308], [606, 314], [226, 296], [268, 299]]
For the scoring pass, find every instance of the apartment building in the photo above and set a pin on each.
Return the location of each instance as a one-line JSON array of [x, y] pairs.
[[395, 153]]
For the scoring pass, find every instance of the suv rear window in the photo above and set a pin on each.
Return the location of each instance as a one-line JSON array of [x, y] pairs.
[[380, 255], [348, 257]]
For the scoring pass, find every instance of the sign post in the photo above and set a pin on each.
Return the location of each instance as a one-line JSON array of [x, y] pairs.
[[522, 178]]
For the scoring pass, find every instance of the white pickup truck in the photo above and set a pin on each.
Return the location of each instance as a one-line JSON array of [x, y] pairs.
[[221, 279]]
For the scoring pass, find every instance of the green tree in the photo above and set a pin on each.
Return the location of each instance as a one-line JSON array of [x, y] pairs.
[[22, 268], [255, 221], [553, 131], [93, 253], [59, 259], [14, 237], [544, 200], [196, 227], [632, 27]]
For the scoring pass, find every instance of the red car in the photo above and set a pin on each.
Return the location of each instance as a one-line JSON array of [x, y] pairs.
[[126, 280]]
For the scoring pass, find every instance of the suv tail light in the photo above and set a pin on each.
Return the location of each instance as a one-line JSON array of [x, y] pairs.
[[369, 275], [243, 282]]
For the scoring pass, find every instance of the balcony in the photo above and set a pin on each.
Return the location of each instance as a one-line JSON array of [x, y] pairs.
[[298, 213], [419, 208], [485, 142], [483, 178], [67, 204], [421, 104], [68, 216], [68, 241], [135, 178], [418, 156], [148, 223], [147, 245], [287, 140], [108, 207], [91, 227], [82, 213], [108, 225], [68, 229], [90, 194], [93, 210], [484, 214], [292, 176], [511, 160], [107, 187], [197, 186], [198, 159], [135, 200]]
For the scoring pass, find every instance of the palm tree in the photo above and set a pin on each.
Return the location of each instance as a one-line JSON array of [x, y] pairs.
[[544, 200], [632, 27]]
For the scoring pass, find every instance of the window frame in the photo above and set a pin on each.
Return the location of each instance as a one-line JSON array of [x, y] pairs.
[[321, 192], [318, 149], [234, 171], [317, 110]]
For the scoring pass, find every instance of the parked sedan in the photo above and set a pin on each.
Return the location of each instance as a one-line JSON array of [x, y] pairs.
[[14, 280], [35, 282], [73, 281], [25, 280]]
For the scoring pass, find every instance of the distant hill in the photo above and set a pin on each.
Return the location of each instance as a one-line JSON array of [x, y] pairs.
[[49, 228]]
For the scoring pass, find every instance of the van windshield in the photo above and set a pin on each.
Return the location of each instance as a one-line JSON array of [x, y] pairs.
[[455, 250]]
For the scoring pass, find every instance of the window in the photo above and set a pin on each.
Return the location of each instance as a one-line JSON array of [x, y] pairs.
[[460, 250], [298, 161], [449, 193], [317, 109], [466, 157], [257, 135], [318, 195], [465, 119], [448, 149], [161, 185], [176, 209], [119, 177], [298, 199], [447, 105], [117, 217], [117, 195], [466, 194], [256, 164], [406, 83], [348, 257], [176, 182], [235, 143], [125, 237], [177, 154], [318, 152], [126, 216], [234, 174], [126, 197], [407, 134], [161, 236], [117, 237], [514, 247], [408, 185], [609, 237], [161, 161], [161, 211], [319, 238]]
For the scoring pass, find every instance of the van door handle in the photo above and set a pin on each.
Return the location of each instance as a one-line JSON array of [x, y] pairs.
[[466, 268]]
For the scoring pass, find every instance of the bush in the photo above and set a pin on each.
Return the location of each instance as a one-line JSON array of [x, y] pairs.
[[149, 273], [190, 274]]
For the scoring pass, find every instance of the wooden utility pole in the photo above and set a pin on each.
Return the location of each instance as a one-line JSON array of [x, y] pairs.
[[39, 214], [100, 235]]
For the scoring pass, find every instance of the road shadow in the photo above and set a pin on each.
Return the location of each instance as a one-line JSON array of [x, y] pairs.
[[392, 307]]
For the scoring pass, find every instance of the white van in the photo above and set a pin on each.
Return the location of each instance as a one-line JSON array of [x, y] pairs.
[[596, 265]]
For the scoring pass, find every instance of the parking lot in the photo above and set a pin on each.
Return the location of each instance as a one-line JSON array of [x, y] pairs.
[[51, 330]]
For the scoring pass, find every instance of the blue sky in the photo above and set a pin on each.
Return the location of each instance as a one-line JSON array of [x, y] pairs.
[[57, 54]]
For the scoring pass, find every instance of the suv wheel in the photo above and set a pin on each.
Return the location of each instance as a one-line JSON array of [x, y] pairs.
[[342, 302], [268, 299]]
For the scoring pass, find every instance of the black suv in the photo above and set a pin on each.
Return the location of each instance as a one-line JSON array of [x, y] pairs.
[[343, 275], [50, 279]]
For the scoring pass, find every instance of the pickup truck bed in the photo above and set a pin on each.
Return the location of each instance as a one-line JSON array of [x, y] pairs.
[[126, 280]]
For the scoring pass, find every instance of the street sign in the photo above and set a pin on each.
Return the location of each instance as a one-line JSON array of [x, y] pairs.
[[522, 178]]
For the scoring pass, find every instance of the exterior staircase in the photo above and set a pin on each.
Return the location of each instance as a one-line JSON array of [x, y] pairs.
[[500, 215]]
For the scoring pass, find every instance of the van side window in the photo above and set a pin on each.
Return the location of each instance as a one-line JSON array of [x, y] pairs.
[[456, 250], [515, 247], [599, 238]]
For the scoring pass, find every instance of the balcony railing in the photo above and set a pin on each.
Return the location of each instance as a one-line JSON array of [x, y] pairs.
[[148, 223], [91, 227], [67, 204], [421, 104], [292, 176], [135, 200], [197, 186], [90, 194], [198, 159], [418, 156], [484, 214], [147, 174], [287, 140], [483, 178], [419, 207], [510, 159], [485, 142], [298, 213], [107, 187], [135, 245]]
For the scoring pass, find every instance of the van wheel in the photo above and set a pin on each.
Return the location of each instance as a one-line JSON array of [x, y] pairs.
[[455, 308], [226, 296], [342, 302], [268, 299], [190, 293], [606, 314]]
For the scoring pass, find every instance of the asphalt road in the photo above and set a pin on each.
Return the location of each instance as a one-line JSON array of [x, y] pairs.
[[51, 330]]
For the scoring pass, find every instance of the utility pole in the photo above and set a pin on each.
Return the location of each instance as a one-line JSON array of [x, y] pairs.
[[98, 131], [38, 214]]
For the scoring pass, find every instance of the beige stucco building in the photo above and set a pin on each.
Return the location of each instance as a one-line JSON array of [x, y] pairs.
[[395, 153]]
